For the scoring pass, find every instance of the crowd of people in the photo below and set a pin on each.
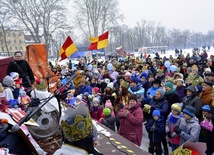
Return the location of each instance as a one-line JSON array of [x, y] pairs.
[[172, 97]]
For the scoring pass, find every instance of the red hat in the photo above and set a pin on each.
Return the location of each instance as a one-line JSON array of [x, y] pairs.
[[96, 89]]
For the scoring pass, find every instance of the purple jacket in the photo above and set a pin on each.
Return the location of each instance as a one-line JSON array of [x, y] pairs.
[[180, 92], [131, 125]]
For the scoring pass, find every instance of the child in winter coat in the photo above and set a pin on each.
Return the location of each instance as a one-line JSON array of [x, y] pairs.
[[155, 127], [96, 110], [188, 127], [3, 101], [108, 120], [171, 121]]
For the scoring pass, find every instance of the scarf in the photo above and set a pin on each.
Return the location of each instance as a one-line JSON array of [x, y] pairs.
[[171, 91], [173, 119]]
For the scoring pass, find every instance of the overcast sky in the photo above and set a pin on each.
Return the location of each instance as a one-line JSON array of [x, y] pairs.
[[195, 15]]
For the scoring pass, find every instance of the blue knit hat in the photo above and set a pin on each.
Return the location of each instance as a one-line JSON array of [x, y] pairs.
[[156, 112], [145, 75], [169, 84], [206, 108], [189, 110]]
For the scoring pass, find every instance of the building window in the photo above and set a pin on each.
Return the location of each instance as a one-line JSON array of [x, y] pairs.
[[8, 34], [11, 48], [2, 49], [20, 48], [20, 41], [8, 41], [16, 48], [14, 34], [14, 41]]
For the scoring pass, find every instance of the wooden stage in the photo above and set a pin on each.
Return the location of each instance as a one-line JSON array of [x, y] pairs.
[[110, 143]]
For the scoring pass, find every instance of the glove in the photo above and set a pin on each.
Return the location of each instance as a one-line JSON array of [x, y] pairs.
[[153, 128], [169, 134], [177, 130], [209, 116]]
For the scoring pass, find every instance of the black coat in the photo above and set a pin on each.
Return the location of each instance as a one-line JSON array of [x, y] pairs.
[[109, 121], [156, 135], [23, 72]]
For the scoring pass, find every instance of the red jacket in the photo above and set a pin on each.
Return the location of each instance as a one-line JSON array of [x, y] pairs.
[[131, 125], [96, 113]]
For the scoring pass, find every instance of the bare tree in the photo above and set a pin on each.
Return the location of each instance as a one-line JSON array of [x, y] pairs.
[[41, 18], [95, 16]]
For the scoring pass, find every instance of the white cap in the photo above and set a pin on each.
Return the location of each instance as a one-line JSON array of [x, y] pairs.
[[111, 85]]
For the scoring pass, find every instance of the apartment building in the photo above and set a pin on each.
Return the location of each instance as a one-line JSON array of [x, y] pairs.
[[11, 41]]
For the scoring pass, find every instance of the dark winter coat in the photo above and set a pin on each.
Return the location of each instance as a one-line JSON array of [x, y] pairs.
[[194, 101], [25, 67], [180, 92], [156, 135], [109, 121], [172, 98], [131, 125], [162, 105]]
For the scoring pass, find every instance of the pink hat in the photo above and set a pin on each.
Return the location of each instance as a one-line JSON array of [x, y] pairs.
[[108, 104], [128, 74], [96, 89]]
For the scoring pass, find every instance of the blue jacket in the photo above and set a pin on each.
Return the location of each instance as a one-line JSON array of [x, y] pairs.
[[162, 105], [156, 135], [83, 89], [151, 91]]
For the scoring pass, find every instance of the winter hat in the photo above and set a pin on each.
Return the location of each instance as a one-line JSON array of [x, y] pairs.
[[156, 112], [189, 110], [110, 85], [169, 84], [95, 100], [40, 84], [96, 89], [79, 97], [206, 108], [13, 75], [209, 73], [108, 104], [133, 97], [107, 111], [210, 83], [86, 94], [144, 74], [128, 74], [124, 84], [176, 106], [191, 88], [179, 80], [161, 91], [107, 81], [134, 78], [157, 81], [160, 71], [7, 80]]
